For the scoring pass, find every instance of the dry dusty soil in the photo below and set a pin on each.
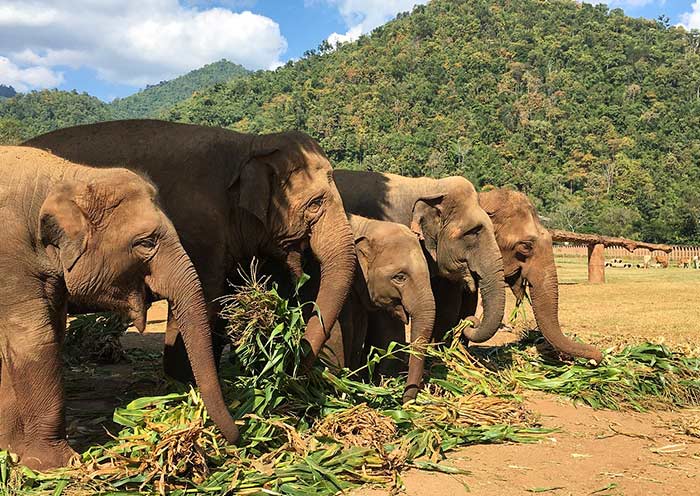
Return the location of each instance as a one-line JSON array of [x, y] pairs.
[[593, 452]]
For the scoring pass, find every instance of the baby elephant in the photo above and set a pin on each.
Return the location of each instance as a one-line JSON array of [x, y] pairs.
[[392, 285], [96, 238]]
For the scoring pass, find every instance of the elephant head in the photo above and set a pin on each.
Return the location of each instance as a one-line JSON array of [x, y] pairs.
[[528, 260], [459, 239], [115, 249], [287, 185], [397, 280]]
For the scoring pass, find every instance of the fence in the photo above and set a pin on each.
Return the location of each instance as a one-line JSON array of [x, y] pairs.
[[580, 250]]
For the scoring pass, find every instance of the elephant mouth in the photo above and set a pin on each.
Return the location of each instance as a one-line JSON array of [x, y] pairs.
[[399, 312], [513, 276], [137, 308]]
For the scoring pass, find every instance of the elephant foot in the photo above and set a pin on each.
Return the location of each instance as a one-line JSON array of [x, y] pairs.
[[410, 393], [48, 455]]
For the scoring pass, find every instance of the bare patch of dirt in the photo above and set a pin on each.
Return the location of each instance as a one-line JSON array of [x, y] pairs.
[[594, 452]]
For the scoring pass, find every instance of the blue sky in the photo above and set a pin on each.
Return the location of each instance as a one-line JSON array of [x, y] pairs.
[[111, 48]]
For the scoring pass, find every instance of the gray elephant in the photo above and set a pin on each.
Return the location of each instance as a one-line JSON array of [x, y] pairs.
[[392, 280], [98, 238], [231, 196], [528, 260], [457, 236]]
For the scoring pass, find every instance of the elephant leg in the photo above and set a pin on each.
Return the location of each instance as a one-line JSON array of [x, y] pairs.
[[357, 356], [448, 305], [32, 407]]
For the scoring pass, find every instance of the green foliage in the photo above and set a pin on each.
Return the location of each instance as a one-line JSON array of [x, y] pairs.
[[156, 99], [26, 115], [94, 337], [11, 131], [640, 377], [577, 105], [39, 112]]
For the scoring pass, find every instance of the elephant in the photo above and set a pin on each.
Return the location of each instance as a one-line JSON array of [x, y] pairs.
[[392, 279], [456, 234], [528, 260], [231, 196], [96, 237]]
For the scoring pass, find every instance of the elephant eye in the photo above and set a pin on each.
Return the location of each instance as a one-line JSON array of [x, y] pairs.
[[144, 244], [399, 278], [473, 232], [525, 247], [315, 205]]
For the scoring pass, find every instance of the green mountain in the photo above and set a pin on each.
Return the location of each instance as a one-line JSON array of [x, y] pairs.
[[592, 113], [28, 114], [156, 99]]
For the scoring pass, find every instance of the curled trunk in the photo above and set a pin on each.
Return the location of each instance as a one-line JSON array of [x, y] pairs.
[[422, 312], [173, 277], [544, 291], [333, 246]]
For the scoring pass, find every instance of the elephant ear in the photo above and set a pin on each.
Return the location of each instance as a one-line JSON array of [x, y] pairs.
[[63, 225], [254, 180], [426, 221], [363, 248]]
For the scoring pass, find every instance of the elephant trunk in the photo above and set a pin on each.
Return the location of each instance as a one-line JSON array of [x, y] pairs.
[[493, 297], [173, 277], [332, 244], [544, 291], [422, 312]]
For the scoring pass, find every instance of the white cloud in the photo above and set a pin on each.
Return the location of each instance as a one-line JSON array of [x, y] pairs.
[[691, 20], [24, 79], [362, 16], [134, 42], [353, 33]]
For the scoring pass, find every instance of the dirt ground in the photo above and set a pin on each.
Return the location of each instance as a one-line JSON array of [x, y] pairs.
[[593, 452]]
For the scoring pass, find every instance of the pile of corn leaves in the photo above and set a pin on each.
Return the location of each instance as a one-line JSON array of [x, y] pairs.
[[325, 431]]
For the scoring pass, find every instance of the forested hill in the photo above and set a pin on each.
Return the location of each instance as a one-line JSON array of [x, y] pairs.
[[594, 114], [29, 114], [153, 100]]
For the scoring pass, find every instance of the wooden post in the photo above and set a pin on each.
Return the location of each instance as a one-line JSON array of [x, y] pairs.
[[596, 263]]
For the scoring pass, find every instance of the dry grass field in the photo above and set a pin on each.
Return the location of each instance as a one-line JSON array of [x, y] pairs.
[[633, 304]]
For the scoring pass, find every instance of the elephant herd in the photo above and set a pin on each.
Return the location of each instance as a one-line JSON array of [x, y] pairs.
[[113, 216]]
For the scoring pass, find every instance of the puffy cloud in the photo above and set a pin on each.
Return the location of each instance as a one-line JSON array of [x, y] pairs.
[[691, 20], [24, 79], [362, 16], [135, 42]]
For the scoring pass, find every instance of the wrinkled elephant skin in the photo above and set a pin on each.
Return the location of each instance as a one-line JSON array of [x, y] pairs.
[[231, 196], [95, 237]]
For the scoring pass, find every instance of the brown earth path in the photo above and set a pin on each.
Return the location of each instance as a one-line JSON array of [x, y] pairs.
[[594, 453]]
